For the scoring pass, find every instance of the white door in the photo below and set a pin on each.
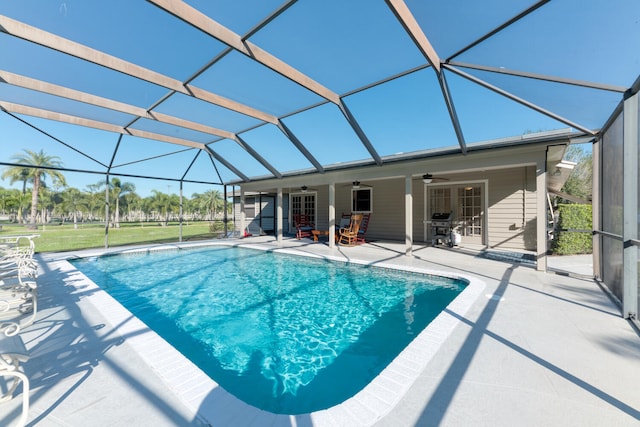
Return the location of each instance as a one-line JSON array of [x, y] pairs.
[[465, 202], [470, 213], [305, 204]]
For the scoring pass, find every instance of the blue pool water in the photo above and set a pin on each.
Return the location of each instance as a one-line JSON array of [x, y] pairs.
[[284, 333]]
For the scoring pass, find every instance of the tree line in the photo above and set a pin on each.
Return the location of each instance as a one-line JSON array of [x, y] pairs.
[[38, 202]]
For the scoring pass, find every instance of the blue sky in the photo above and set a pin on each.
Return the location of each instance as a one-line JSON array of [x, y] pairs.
[[343, 46]]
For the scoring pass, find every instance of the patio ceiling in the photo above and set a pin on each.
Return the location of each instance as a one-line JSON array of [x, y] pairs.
[[229, 92]]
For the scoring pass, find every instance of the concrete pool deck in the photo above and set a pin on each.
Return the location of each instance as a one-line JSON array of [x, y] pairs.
[[529, 349]]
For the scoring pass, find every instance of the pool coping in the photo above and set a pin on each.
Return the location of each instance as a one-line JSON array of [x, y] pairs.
[[214, 405]]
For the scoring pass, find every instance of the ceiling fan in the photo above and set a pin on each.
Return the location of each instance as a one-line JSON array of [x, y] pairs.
[[356, 185], [428, 178], [304, 189]]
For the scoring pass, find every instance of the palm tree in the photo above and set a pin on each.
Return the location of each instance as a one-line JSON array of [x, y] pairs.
[[164, 204], [74, 202], [132, 201], [21, 202], [14, 201], [211, 201], [119, 189], [5, 195], [15, 174], [93, 198], [36, 167]]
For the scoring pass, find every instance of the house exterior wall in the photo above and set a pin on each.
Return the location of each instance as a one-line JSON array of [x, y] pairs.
[[260, 214], [512, 208], [511, 221], [507, 175]]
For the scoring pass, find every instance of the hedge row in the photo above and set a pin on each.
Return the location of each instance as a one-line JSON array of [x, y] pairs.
[[574, 217]]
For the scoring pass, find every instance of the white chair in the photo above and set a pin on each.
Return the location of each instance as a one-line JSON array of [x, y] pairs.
[[12, 353]]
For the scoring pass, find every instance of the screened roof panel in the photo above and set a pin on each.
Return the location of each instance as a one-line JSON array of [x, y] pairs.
[[77, 147], [170, 166], [137, 150], [189, 108], [31, 98], [341, 44], [240, 158], [304, 84], [202, 170], [483, 113], [584, 106], [327, 135], [400, 119], [276, 148], [38, 62], [237, 77], [569, 39], [451, 25], [173, 131], [239, 16], [135, 31]]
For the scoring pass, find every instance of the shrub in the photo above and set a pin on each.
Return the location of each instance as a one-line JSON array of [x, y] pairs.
[[573, 217]]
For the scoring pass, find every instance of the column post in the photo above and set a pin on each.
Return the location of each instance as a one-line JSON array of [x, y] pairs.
[[408, 215], [630, 207], [541, 214]]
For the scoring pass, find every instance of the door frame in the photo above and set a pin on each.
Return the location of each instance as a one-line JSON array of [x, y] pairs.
[[315, 205], [484, 184]]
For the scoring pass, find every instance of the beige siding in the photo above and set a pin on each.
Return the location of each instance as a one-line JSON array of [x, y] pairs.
[[387, 214], [512, 208], [511, 212], [387, 218]]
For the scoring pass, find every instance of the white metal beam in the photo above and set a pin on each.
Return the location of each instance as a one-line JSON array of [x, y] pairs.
[[81, 121], [204, 23], [411, 26], [52, 41]]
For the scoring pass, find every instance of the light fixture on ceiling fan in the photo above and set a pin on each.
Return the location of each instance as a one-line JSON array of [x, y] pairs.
[[357, 185], [428, 178], [306, 189]]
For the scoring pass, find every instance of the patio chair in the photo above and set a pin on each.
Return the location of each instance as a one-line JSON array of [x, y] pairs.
[[362, 231], [18, 299], [12, 353], [345, 220], [303, 226], [20, 306], [349, 236]]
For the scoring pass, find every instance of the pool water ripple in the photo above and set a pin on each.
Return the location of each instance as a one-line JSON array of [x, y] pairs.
[[287, 334]]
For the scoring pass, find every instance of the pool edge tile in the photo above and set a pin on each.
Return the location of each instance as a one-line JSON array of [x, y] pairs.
[[398, 376]]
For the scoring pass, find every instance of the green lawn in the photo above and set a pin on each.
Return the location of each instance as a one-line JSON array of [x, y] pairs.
[[60, 238]]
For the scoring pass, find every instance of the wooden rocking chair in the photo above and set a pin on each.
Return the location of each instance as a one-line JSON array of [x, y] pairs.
[[349, 236]]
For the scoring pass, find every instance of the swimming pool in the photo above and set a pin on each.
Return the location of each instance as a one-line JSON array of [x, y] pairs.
[[286, 334]]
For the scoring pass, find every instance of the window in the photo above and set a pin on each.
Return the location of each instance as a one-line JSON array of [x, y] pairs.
[[304, 204], [361, 200]]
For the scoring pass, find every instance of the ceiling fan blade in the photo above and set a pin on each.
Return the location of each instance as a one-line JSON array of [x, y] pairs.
[[428, 178], [357, 184]]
